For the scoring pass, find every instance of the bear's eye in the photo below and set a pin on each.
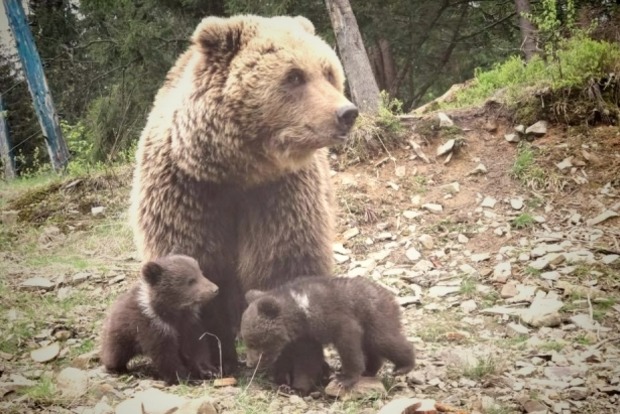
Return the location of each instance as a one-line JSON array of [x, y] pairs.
[[191, 282], [295, 77], [329, 75]]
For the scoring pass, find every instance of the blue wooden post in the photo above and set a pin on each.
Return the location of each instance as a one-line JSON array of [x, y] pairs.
[[42, 99], [6, 153]]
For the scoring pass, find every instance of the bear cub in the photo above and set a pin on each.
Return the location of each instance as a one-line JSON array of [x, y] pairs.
[[360, 318], [159, 317]]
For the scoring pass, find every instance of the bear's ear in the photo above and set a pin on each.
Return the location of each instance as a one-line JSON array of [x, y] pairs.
[[305, 23], [151, 272], [269, 307], [220, 34], [253, 294]]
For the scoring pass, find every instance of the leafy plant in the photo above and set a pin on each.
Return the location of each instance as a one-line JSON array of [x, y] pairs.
[[522, 221]]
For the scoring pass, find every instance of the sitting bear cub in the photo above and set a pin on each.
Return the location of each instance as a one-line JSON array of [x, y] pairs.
[[360, 318], [160, 318]]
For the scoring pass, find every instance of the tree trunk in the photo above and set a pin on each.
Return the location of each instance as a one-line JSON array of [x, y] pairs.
[[362, 83], [528, 32]]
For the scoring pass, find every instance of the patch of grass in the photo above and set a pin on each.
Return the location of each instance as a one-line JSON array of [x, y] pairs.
[[468, 287], [482, 369], [525, 169], [553, 346], [523, 221], [601, 308], [43, 392], [517, 341], [501, 409], [376, 133], [432, 333], [490, 299], [71, 262], [585, 340], [532, 271]]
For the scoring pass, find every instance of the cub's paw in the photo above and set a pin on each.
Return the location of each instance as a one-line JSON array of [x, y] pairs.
[[286, 389], [346, 382], [403, 370]]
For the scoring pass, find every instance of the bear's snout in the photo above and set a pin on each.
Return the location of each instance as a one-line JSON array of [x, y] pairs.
[[347, 114]]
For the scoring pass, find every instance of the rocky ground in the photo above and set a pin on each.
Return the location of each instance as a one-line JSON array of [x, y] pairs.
[[505, 257]]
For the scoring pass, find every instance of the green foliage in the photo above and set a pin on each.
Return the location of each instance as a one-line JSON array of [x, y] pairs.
[[577, 61], [522, 221], [387, 117], [525, 168]]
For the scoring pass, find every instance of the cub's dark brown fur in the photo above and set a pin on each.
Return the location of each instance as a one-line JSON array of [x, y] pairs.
[[360, 318], [160, 318]]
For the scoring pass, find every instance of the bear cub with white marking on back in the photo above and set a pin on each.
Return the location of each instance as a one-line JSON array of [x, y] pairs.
[[360, 318], [160, 318]]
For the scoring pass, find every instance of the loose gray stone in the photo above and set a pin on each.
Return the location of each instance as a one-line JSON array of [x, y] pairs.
[[35, 283], [516, 203], [525, 293], [350, 233], [150, 401], [445, 148], [403, 405], [554, 275], [408, 214], [441, 291], [480, 257], [514, 138], [461, 238], [488, 202], [416, 200], [518, 328], [95, 211], [469, 306], [205, 405], [538, 129], [444, 120], [452, 188], [46, 353], [520, 129], [584, 321], [412, 254], [480, 169], [427, 241], [365, 388], [72, 382], [543, 311], [566, 163], [502, 272], [609, 259], [340, 249], [523, 257], [341, 258], [606, 215], [433, 208]]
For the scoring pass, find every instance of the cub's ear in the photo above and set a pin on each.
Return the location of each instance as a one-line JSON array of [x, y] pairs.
[[269, 307], [151, 272], [305, 23], [226, 35], [253, 294]]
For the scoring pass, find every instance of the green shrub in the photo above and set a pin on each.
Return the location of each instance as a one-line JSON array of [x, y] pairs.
[[576, 61]]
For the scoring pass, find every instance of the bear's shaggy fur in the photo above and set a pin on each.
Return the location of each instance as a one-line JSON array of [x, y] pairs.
[[232, 163], [360, 318], [159, 317]]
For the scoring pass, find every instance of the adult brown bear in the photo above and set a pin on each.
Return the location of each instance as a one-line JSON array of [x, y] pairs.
[[232, 163]]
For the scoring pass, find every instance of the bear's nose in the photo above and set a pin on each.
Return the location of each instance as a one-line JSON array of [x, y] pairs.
[[346, 115]]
